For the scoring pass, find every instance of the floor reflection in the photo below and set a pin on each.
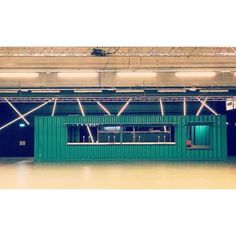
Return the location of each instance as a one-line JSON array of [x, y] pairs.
[[130, 175]]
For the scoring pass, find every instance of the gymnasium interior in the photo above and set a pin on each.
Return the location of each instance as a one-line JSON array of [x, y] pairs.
[[117, 117]]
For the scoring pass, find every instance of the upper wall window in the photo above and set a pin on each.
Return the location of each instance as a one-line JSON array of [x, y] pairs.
[[198, 136]]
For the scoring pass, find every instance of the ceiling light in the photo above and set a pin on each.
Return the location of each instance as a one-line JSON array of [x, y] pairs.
[[45, 91], [136, 74], [88, 91], [8, 91], [214, 90], [196, 74], [129, 90], [78, 75], [18, 75]]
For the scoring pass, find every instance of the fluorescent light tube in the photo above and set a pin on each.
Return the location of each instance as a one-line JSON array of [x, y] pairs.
[[18, 75], [214, 90], [129, 90], [14, 108], [8, 91], [124, 107], [184, 106], [104, 108], [88, 91], [54, 107], [45, 91], [81, 107]]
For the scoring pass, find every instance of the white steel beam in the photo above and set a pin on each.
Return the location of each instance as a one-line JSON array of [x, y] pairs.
[[15, 109]]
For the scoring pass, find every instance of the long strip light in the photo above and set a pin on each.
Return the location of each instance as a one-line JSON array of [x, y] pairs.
[[103, 108], [129, 90], [77, 74], [18, 75], [124, 107], [83, 114], [81, 107], [201, 107], [208, 107], [162, 111], [54, 107], [9, 91], [88, 91], [90, 133], [15, 109], [136, 74], [45, 91], [161, 106], [196, 74], [27, 113], [214, 90], [184, 106]]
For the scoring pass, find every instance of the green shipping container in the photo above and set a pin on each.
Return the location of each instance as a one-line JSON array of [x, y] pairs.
[[133, 138]]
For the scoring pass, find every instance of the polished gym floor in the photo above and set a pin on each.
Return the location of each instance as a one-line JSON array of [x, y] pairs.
[[24, 173]]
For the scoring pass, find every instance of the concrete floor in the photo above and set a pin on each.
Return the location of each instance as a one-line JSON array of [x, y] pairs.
[[18, 173]]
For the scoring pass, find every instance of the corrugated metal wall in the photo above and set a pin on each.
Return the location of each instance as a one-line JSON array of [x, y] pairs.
[[51, 140]]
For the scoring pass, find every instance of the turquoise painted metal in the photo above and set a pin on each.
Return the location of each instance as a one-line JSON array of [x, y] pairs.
[[51, 140]]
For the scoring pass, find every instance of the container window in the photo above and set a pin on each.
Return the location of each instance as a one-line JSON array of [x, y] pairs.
[[198, 137], [118, 134], [81, 134], [149, 134]]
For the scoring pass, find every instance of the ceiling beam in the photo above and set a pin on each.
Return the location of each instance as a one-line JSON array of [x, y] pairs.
[[118, 51]]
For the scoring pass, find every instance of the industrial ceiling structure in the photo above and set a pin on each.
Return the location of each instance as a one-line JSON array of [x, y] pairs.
[[119, 51], [33, 74]]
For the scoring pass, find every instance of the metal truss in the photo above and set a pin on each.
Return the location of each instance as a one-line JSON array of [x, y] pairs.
[[117, 51], [115, 99]]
